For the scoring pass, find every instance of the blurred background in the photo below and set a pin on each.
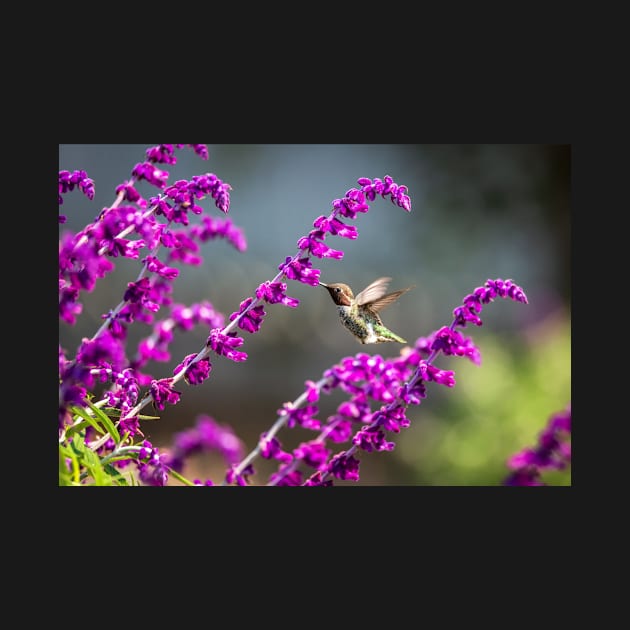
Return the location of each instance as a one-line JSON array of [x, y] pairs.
[[479, 211]]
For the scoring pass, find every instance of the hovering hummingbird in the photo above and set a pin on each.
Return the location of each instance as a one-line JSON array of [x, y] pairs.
[[360, 314]]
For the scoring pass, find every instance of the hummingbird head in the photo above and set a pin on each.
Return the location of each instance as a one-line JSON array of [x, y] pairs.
[[340, 293]]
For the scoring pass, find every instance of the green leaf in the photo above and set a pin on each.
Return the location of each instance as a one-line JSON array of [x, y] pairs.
[[77, 428], [80, 411], [104, 418], [116, 475]]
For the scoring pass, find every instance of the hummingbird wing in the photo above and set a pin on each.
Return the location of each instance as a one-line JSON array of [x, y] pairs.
[[388, 299], [373, 291]]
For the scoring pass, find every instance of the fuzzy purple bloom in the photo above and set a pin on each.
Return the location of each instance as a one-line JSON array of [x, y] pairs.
[[282, 478], [186, 317], [131, 194], [317, 247], [225, 344], [313, 453], [212, 228], [350, 205], [270, 448], [386, 187], [335, 227], [197, 373], [344, 467], [300, 270], [473, 303], [302, 416], [206, 436], [155, 266], [250, 320], [150, 173], [316, 480], [162, 392], [274, 293], [452, 342], [372, 439], [241, 479], [152, 466], [67, 182]]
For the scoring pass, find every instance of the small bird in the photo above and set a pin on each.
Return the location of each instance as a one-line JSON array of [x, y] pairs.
[[360, 314]]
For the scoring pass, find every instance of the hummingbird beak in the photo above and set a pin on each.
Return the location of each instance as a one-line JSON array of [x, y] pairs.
[[321, 284]]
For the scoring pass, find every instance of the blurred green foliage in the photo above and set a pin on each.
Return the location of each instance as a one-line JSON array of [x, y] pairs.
[[494, 410]]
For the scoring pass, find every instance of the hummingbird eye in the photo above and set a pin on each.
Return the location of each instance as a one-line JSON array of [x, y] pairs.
[[337, 289]]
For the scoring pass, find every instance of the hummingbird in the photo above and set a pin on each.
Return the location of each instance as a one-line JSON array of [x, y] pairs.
[[360, 314]]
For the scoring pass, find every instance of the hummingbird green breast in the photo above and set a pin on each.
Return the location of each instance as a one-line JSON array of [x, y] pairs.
[[360, 314]]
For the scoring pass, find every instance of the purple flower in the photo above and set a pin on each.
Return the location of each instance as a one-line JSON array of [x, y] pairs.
[[197, 372], [312, 392], [317, 247], [225, 344], [313, 453], [429, 372], [451, 342], [186, 317], [241, 479], [386, 187], [150, 173], [473, 303], [302, 416], [336, 227], [292, 478], [141, 293], [316, 480], [130, 424], [104, 351], [372, 439], [152, 466], [270, 448], [250, 320], [162, 154], [301, 270], [206, 436], [341, 430], [212, 228], [130, 194], [67, 182], [274, 293], [155, 266], [162, 392], [393, 419], [344, 467], [351, 204]]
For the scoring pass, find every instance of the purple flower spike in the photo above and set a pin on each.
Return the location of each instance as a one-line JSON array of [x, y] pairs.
[[312, 453], [67, 182], [473, 303], [386, 187]]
